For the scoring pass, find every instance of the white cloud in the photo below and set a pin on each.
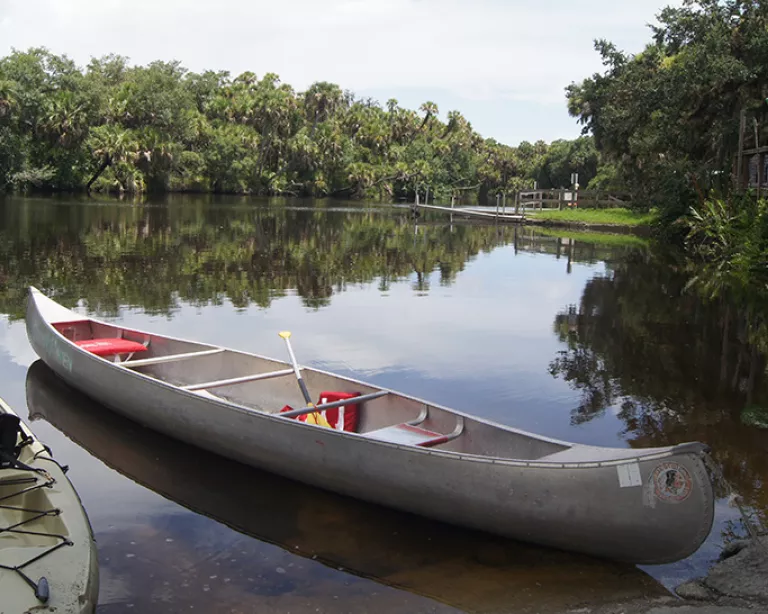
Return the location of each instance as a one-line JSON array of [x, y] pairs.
[[486, 48]]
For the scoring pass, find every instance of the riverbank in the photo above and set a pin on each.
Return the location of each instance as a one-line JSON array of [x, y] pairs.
[[614, 237], [735, 585], [607, 220], [597, 219]]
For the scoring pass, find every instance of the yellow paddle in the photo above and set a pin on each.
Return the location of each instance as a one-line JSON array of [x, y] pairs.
[[286, 334]]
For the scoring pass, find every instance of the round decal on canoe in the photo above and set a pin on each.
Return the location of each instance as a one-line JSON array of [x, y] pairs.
[[672, 482]]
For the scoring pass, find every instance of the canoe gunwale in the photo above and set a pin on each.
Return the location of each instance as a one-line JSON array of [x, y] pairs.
[[694, 448]]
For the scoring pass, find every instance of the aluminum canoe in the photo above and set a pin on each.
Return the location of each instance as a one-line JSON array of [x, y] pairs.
[[647, 506], [473, 571], [48, 560]]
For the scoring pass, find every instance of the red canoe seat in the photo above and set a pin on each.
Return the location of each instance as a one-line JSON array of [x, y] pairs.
[[111, 347]]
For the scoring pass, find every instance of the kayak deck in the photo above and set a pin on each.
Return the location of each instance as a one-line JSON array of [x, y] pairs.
[[47, 553], [31, 527]]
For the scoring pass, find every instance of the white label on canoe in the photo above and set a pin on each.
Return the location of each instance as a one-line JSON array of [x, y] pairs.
[[629, 475]]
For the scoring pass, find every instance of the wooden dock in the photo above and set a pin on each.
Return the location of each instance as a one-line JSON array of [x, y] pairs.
[[497, 216], [525, 202], [569, 198]]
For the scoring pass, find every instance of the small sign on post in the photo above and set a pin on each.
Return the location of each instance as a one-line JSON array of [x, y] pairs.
[[575, 186]]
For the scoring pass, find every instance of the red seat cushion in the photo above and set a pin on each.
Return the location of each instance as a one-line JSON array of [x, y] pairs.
[[342, 418], [110, 347]]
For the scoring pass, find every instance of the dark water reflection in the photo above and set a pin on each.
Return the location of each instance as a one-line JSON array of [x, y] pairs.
[[200, 252], [588, 341], [669, 365]]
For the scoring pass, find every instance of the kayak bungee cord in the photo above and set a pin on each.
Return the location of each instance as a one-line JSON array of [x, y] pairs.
[[30, 483]]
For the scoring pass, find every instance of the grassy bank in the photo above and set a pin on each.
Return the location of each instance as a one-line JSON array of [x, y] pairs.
[[604, 239], [602, 217]]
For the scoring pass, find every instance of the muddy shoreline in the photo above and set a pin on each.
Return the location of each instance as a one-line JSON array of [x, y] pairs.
[[736, 584]]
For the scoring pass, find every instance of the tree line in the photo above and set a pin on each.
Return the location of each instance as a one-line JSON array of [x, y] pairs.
[[667, 119], [670, 123], [116, 127]]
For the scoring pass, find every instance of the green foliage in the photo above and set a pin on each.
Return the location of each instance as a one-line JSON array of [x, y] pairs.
[[11, 155], [33, 177], [160, 128], [667, 119], [563, 158], [608, 178], [605, 239], [617, 216], [46, 109], [755, 416], [728, 245]]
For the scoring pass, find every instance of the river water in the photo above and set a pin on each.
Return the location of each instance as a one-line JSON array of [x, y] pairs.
[[593, 340]]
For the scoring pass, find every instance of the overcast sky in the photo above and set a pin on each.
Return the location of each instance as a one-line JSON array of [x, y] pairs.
[[503, 63]]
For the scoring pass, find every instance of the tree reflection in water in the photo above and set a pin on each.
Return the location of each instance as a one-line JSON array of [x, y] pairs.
[[199, 253], [672, 364]]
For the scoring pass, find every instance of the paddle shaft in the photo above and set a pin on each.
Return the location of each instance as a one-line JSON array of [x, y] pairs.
[[296, 370], [351, 401]]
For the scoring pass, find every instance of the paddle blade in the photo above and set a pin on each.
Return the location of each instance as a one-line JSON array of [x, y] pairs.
[[285, 334]]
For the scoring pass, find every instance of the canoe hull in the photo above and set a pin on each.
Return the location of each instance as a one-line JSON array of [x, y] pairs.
[[581, 508], [468, 570]]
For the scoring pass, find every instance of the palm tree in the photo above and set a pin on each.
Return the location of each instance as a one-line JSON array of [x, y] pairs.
[[64, 122], [111, 144], [321, 101], [430, 110], [457, 124]]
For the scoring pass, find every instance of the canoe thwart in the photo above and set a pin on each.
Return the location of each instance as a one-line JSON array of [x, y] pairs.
[[411, 434], [171, 358], [237, 380], [323, 406]]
